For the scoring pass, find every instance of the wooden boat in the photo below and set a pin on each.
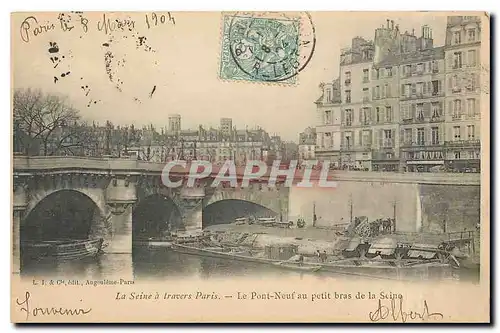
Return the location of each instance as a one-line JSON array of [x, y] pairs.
[[220, 252], [298, 266], [61, 249]]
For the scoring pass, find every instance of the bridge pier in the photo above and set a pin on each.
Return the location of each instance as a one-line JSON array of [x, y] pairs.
[[121, 229], [120, 197], [20, 203]]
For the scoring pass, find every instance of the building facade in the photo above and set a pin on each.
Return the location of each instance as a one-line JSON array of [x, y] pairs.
[[406, 105], [307, 145], [422, 128], [355, 68], [328, 123], [463, 92]]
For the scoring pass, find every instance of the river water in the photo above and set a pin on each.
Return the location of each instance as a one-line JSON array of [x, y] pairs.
[[153, 264]]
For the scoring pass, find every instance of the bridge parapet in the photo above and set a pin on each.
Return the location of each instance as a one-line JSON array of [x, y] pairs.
[[35, 164]]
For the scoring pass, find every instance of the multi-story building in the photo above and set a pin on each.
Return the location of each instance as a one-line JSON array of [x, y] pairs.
[[422, 109], [463, 92], [307, 145], [328, 116], [382, 119], [355, 67]]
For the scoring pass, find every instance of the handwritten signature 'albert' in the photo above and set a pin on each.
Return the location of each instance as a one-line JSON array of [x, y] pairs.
[[397, 312], [25, 306]]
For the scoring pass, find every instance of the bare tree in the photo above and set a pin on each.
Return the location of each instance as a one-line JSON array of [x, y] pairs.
[[37, 116]]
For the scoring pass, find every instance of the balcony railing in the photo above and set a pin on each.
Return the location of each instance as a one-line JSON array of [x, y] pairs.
[[363, 147]]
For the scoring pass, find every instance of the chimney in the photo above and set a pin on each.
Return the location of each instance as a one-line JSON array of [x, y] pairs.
[[387, 23], [392, 24]]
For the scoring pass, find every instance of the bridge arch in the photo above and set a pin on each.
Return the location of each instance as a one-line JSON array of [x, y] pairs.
[[154, 216], [227, 210], [64, 214], [269, 198]]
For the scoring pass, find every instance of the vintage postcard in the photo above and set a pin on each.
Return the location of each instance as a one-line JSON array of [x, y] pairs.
[[272, 167]]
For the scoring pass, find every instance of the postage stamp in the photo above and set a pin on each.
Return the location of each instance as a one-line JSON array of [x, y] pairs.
[[266, 47]]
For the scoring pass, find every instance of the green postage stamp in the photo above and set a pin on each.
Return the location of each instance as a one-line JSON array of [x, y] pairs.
[[266, 47]]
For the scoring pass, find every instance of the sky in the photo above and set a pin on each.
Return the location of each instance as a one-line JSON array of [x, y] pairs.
[[174, 69]]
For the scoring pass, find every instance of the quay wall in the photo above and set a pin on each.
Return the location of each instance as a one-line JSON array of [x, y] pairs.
[[419, 207]]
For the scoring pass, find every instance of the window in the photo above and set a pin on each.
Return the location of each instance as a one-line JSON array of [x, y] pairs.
[[387, 138], [435, 136], [388, 71], [454, 84], [365, 116], [435, 67], [366, 138], [456, 133], [457, 108], [471, 110], [470, 132], [366, 95], [420, 88], [420, 111], [471, 35], [407, 136], [387, 91], [435, 87], [328, 95], [328, 117], [471, 58], [407, 90], [457, 155], [348, 139], [436, 110], [377, 74], [388, 114], [348, 96], [457, 60], [348, 117], [366, 74], [471, 82], [405, 111], [420, 68], [347, 78], [472, 155], [420, 137], [377, 114], [388, 156], [407, 70], [456, 37]]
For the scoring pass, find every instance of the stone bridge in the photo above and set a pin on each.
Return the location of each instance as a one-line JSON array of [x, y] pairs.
[[120, 191]]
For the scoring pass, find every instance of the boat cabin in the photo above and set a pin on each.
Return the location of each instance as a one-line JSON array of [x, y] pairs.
[[280, 251]]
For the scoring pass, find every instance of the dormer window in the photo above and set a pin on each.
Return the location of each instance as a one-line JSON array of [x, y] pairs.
[[471, 35]]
